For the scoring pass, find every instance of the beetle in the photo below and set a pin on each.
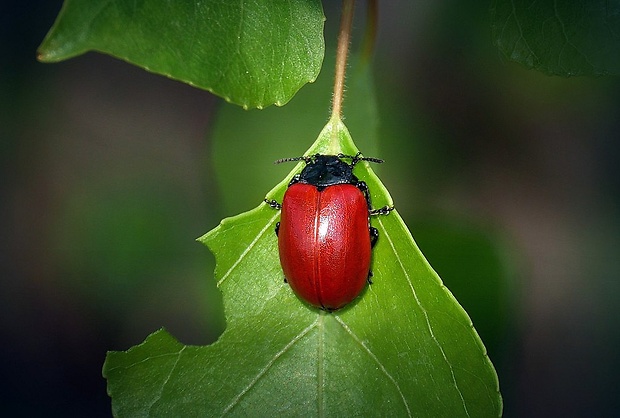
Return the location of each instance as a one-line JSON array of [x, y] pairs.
[[325, 239]]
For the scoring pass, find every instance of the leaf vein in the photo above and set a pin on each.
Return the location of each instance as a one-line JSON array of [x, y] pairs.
[[247, 250], [112, 369], [425, 313], [521, 34], [376, 360], [163, 385], [321, 367], [265, 369]]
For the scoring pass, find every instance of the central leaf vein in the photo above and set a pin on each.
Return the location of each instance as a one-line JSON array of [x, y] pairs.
[[321, 365]]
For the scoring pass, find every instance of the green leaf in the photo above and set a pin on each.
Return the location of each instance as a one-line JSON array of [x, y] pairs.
[[253, 53], [562, 38], [403, 348]]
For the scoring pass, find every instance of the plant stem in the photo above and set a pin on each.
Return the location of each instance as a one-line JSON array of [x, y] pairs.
[[344, 36], [370, 36]]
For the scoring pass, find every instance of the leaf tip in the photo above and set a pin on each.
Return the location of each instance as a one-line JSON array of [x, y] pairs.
[[44, 53], [40, 56], [203, 238]]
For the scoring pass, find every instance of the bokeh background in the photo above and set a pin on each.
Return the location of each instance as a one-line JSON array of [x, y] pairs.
[[508, 179]]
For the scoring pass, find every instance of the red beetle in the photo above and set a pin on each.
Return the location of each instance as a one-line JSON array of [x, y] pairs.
[[324, 234]]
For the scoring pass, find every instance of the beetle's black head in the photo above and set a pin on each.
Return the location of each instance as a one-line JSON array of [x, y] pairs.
[[326, 170]]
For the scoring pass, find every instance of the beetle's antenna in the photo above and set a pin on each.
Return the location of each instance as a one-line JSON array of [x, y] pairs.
[[370, 159], [284, 160], [357, 158]]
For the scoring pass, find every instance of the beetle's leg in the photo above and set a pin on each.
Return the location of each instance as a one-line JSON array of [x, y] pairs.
[[369, 278], [277, 206], [274, 204], [382, 211], [374, 235], [364, 188], [294, 180]]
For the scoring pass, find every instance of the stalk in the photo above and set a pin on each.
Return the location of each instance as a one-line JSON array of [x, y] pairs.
[[342, 52]]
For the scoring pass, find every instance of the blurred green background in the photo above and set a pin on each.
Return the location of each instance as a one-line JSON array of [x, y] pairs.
[[507, 178]]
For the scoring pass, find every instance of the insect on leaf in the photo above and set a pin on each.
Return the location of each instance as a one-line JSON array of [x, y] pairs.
[[403, 348]]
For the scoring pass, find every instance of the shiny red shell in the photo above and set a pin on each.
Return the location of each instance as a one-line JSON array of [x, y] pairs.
[[324, 243]]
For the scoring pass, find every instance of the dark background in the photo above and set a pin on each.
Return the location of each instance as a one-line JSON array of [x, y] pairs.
[[508, 179]]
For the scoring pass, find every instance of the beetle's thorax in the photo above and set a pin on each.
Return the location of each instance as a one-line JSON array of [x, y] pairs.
[[327, 170]]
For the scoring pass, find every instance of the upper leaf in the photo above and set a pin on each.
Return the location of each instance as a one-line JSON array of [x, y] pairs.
[[560, 37], [403, 348], [253, 52]]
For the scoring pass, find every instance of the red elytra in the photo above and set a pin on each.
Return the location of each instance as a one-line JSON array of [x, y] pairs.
[[324, 243], [324, 235]]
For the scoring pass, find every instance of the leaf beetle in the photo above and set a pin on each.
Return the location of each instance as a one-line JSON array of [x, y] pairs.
[[324, 235]]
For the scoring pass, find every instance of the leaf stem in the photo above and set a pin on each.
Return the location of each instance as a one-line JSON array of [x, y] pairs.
[[342, 51]]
